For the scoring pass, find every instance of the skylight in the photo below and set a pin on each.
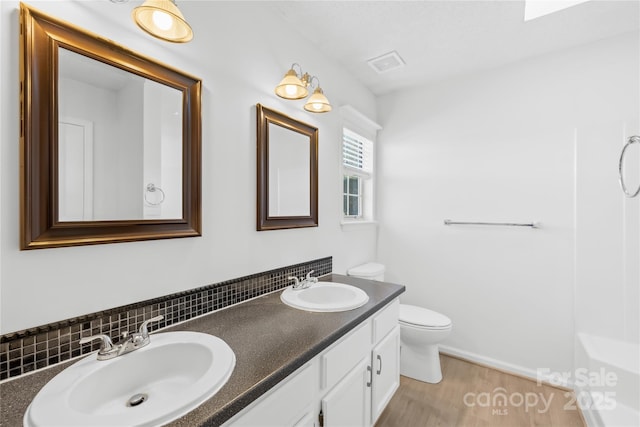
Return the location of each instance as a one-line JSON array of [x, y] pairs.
[[536, 8]]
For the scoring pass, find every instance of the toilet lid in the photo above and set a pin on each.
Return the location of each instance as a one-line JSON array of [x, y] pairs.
[[370, 269], [420, 316]]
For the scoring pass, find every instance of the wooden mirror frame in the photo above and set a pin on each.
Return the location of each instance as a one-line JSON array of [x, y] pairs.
[[265, 116], [40, 38]]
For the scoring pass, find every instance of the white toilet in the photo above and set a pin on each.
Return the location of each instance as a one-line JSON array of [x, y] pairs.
[[421, 330]]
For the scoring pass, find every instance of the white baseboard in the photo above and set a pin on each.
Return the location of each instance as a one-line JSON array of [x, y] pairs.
[[504, 366]]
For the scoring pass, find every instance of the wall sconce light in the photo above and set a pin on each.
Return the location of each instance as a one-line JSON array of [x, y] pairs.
[[162, 19], [296, 84]]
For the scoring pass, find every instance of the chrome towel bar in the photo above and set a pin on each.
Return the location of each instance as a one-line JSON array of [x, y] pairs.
[[533, 224], [632, 140]]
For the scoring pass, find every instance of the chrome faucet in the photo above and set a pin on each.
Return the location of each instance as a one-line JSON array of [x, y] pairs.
[[309, 279], [304, 283], [128, 343]]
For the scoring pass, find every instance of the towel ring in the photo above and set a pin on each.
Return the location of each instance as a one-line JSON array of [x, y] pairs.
[[152, 189], [632, 140]]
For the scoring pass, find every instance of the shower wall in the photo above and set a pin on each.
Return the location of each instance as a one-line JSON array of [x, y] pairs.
[[536, 140]]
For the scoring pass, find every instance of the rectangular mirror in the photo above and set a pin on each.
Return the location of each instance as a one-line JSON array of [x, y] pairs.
[[110, 141], [287, 172]]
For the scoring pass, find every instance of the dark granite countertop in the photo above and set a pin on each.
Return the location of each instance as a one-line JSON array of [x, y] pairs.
[[270, 341]]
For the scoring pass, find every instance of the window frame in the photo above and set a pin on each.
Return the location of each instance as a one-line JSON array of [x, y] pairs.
[[360, 125], [348, 194]]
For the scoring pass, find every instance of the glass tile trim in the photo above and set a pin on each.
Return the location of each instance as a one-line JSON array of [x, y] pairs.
[[25, 351]]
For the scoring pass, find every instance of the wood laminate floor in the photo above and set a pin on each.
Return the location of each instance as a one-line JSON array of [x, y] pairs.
[[474, 395]]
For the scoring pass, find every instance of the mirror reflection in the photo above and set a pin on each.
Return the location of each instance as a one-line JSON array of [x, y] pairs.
[[289, 172], [119, 143]]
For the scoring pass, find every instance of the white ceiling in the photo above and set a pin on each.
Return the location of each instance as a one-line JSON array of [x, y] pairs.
[[440, 39]]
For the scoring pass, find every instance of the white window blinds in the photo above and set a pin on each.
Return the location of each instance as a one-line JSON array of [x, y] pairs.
[[357, 152]]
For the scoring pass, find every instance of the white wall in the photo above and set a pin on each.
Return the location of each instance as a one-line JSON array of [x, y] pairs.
[[608, 230], [129, 148], [501, 146], [171, 153], [241, 51]]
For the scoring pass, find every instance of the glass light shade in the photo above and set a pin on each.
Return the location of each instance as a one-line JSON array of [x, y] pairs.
[[318, 103], [291, 87], [162, 19]]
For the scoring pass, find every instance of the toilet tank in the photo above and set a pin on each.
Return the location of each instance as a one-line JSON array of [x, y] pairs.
[[370, 270]]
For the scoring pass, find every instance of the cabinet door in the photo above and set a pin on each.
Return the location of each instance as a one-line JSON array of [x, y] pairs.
[[349, 402], [344, 355], [386, 371]]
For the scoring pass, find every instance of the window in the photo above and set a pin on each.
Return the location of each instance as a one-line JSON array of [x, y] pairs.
[[352, 198], [357, 163], [358, 174]]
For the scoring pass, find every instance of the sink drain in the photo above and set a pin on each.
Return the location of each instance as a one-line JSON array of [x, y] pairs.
[[137, 399]]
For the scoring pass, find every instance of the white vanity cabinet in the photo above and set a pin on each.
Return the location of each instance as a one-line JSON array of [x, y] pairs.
[[290, 403], [348, 384], [345, 379]]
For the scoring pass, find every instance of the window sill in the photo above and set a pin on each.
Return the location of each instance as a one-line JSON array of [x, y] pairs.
[[351, 224]]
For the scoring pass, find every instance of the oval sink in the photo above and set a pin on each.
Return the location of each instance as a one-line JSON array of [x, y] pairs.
[[151, 386], [325, 296]]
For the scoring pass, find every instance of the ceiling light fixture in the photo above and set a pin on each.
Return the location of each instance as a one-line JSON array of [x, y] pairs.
[[295, 85], [162, 19]]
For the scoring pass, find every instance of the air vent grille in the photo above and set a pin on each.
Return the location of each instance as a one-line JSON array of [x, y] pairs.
[[387, 62]]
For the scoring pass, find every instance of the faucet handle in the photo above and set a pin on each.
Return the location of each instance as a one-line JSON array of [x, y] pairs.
[[143, 328], [297, 281], [107, 344], [310, 279]]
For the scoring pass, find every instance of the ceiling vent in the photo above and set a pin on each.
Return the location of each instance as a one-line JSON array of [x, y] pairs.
[[387, 62]]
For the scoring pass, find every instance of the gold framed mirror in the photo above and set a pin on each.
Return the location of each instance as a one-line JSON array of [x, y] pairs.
[[287, 193], [110, 140]]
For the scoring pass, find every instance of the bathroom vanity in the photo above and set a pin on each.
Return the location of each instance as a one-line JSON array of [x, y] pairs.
[[350, 383], [291, 364]]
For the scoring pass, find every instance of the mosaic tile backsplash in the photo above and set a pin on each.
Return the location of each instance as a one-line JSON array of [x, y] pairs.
[[36, 348]]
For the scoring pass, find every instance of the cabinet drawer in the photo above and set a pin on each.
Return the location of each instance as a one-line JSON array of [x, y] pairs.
[[346, 354], [288, 405], [385, 320]]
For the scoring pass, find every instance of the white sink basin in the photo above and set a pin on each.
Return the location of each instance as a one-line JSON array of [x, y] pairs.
[[174, 374], [325, 296]]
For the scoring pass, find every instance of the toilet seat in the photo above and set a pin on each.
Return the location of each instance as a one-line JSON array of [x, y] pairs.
[[421, 317]]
